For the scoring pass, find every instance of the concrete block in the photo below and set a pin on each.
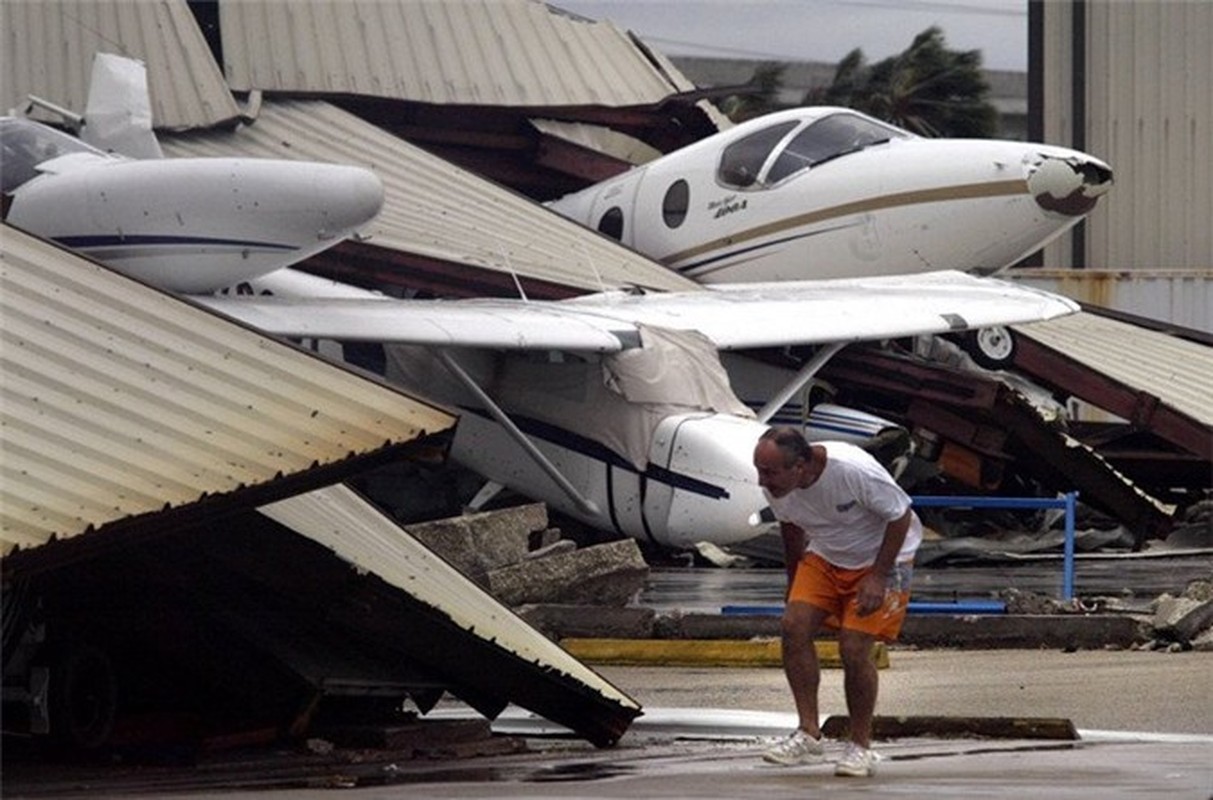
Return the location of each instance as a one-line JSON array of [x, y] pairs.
[[477, 543], [610, 574], [1062, 631], [1180, 619], [839, 727], [719, 626], [590, 622]]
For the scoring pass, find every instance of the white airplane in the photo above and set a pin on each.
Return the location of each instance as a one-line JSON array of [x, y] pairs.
[[613, 408], [185, 224], [827, 192]]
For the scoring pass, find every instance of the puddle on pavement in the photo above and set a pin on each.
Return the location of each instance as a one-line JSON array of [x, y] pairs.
[[583, 771]]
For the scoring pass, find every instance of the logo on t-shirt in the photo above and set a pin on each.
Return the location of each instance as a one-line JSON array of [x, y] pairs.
[[844, 507]]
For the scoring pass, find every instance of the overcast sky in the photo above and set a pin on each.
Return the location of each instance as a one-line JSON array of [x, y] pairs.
[[818, 30]]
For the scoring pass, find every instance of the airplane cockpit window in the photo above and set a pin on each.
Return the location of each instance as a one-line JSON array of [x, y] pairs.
[[830, 137], [24, 144], [742, 161]]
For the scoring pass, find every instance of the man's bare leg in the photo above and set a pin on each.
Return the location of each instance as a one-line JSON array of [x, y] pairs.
[[860, 682], [801, 622]]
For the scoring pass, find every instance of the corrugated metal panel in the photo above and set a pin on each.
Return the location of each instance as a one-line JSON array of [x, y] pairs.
[[1149, 113], [340, 520], [48, 50], [600, 139], [1176, 371], [496, 53], [119, 400], [433, 207], [1178, 297]]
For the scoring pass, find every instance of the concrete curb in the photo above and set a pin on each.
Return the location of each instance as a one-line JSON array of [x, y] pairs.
[[701, 652], [973, 632]]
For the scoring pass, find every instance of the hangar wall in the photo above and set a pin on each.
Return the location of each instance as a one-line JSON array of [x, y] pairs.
[[1129, 82]]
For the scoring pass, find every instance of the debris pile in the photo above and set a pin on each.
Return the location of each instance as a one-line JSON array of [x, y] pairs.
[[1184, 622], [522, 562]]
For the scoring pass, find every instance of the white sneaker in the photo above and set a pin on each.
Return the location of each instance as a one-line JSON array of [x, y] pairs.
[[798, 748], [857, 762]]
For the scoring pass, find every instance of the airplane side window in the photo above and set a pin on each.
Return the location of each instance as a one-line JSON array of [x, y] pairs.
[[742, 161], [611, 223], [677, 201], [829, 138]]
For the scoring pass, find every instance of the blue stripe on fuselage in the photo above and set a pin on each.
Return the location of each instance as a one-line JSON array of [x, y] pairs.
[[111, 240], [688, 268], [598, 452]]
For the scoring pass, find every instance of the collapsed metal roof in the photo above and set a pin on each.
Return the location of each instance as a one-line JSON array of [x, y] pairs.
[[48, 50], [122, 408], [120, 401], [439, 222], [451, 52], [519, 664], [1177, 372]]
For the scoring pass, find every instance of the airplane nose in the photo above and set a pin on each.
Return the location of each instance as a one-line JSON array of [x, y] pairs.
[[1068, 182], [355, 197]]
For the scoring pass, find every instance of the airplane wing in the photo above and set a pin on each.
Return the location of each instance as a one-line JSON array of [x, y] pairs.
[[735, 316]]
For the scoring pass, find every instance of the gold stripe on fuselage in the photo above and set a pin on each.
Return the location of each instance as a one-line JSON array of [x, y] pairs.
[[963, 192]]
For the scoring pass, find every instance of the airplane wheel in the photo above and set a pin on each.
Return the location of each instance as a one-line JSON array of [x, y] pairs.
[[992, 348], [82, 697]]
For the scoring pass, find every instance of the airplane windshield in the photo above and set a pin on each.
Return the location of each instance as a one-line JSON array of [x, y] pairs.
[[831, 137], [24, 144]]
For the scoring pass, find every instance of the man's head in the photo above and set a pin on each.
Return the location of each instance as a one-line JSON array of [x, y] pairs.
[[783, 459]]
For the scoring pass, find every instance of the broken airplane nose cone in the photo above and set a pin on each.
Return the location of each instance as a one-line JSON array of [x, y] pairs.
[[355, 197], [1069, 184]]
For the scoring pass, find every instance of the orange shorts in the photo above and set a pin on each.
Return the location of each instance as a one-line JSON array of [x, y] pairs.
[[835, 590]]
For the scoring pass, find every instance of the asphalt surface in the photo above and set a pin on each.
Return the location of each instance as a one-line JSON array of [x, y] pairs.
[[1145, 721]]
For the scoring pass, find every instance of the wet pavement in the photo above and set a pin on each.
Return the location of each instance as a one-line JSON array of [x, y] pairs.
[[1134, 581], [1145, 721]]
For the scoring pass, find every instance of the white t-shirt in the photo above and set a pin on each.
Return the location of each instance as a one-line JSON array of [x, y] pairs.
[[845, 512]]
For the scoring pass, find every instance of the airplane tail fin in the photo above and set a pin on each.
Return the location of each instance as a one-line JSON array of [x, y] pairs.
[[118, 115]]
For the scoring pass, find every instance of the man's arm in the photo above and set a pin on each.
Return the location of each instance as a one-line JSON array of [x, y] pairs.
[[872, 587], [793, 548]]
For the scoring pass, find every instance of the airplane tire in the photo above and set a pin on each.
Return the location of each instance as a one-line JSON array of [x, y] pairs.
[[82, 697], [992, 348]]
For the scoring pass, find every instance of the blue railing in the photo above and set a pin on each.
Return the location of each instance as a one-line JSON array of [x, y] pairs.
[[1066, 501]]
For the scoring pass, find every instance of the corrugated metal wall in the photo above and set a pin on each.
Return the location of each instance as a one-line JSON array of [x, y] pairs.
[[1147, 108], [48, 46], [1180, 297], [118, 400]]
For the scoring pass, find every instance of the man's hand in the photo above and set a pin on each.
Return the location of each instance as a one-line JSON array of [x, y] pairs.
[[871, 592]]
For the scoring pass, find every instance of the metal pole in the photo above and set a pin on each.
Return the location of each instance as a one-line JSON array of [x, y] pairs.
[[1067, 580]]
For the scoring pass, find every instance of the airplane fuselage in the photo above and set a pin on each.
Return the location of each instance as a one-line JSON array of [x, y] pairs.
[[697, 484], [192, 225], [827, 192]]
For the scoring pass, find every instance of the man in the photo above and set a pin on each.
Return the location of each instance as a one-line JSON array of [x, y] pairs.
[[849, 538]]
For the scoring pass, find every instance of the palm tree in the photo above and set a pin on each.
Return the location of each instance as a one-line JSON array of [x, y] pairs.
[[764, 97], [928, 89]]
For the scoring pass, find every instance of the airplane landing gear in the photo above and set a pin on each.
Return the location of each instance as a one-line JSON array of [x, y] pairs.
[[992, 348]]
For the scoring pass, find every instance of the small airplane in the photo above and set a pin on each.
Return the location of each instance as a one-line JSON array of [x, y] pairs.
[[829, 192], [614, 408], [186, 224]]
